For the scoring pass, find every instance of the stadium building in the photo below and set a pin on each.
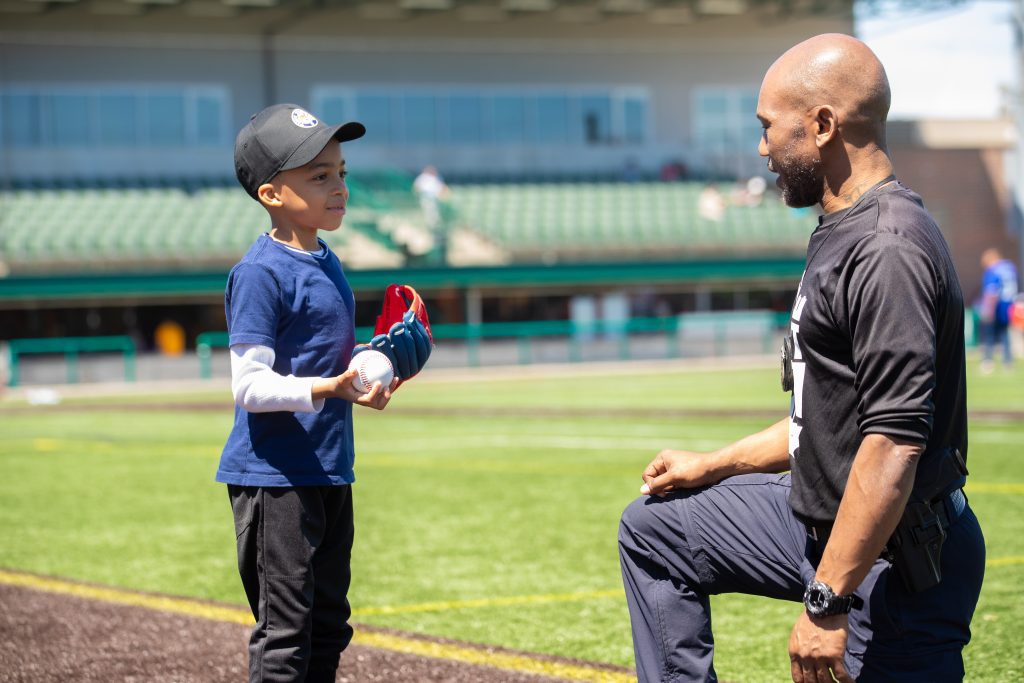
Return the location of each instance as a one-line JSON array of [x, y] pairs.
[[599, 154]]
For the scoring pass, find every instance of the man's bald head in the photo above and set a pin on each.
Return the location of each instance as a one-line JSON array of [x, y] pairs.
[[839, 71]]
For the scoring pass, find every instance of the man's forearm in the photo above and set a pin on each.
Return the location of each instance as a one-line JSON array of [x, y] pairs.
[[876, 494], [765, 451]]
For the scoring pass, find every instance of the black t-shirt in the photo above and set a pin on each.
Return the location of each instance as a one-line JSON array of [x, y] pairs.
[[878, 326]]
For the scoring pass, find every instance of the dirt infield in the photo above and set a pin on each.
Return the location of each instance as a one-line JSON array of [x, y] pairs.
[[49, 638]]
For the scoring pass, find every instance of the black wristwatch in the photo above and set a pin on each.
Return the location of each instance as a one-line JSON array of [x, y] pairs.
[[821, 601]]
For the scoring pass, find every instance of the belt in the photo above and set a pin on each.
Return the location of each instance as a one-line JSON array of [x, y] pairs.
[[948, 509]]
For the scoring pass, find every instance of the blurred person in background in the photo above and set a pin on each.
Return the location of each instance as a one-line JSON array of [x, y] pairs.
[[998, 291], [711, 203], [431, 190], [433, 194]]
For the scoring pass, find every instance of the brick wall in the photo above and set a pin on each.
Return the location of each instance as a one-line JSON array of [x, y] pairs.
[[966, 191]]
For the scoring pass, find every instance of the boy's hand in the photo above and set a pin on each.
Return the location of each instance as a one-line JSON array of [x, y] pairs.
[[343, 387], [407, 345]]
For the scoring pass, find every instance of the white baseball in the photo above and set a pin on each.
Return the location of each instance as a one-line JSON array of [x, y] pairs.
[[371, 367]]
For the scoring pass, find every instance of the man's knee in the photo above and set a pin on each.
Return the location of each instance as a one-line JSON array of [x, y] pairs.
[[651, 522], [636, 520]]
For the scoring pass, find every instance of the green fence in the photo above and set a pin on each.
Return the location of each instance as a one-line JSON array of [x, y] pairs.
[[71, 348], [205, 343], [577, 334]]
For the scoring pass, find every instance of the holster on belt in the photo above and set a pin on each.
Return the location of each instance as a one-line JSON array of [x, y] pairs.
[[915, 548]]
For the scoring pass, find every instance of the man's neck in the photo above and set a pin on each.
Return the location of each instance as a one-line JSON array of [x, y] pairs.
[[864, 176]]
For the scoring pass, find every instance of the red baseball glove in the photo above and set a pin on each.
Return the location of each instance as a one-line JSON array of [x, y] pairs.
[[398, 300], [402, 332]]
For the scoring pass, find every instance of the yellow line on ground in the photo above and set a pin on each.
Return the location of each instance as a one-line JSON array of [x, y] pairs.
[[395, 643], [486, 602], [499, 660], [1005, 561], [162, 603], [993, 487]]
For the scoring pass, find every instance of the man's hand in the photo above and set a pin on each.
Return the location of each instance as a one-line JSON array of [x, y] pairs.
[[816, 649], [672, 470], [765, 451]]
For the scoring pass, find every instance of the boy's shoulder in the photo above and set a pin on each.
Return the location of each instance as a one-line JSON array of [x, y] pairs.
[[257, 251], [262, 252], [257, 263]]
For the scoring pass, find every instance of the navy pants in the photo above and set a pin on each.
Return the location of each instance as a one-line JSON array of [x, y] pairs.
[[294, 552], [740, 536], [995, 334]]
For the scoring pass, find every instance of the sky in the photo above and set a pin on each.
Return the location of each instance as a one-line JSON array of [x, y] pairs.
[[954, 63]]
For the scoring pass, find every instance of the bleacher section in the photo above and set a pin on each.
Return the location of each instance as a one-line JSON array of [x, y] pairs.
[[563, 222], [195, 224], [203, 224]]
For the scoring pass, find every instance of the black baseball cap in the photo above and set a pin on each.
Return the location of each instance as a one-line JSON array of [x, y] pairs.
[[281, 137]]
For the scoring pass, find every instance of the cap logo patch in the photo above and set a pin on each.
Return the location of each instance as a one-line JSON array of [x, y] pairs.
[[303, 119]]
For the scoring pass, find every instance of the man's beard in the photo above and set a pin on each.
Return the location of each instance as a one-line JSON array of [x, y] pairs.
[[802, 181]]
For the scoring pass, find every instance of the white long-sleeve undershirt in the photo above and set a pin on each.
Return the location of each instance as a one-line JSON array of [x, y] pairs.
[[258, 389]]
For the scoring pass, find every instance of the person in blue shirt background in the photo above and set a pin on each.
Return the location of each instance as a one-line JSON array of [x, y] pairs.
[[288, 461], [998, 291]]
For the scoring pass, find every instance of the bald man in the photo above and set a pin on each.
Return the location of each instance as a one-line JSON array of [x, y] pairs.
[[869, 527]]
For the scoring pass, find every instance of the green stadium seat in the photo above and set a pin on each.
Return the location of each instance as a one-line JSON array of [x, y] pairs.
[[619, 219], [81, 225]]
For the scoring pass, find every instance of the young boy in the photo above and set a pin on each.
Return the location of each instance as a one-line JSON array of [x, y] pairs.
[[288, 460]]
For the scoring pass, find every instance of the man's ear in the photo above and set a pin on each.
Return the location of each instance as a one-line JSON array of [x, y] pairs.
[[268, 195], [826, 125]]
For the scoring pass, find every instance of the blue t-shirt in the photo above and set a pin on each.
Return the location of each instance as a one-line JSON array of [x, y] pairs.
[[1000, 280], [300, 305]]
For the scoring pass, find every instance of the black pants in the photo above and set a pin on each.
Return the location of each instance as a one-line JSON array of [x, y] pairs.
[[740, 536], [294, 552]]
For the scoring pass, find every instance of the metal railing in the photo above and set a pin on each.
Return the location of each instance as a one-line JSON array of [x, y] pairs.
[[205, 343], [577, 334], [71, 348]]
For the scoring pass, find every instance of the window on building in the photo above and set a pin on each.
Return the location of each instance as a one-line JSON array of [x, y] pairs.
[[419, 119], [165, 119], [374, 112], [208, 121], [634, 111], [83, 116], [725, 121], [553, 119], [70, 119], [333, 110], [117, 119], [465, 119], [596, 119], [21, 114], [509, 119], [489, 115]]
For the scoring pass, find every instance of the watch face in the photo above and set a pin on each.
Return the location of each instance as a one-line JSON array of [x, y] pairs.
[[818, 598], [815, 600]]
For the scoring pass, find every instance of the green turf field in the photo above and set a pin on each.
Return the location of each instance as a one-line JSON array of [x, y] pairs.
[[486, 510]]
